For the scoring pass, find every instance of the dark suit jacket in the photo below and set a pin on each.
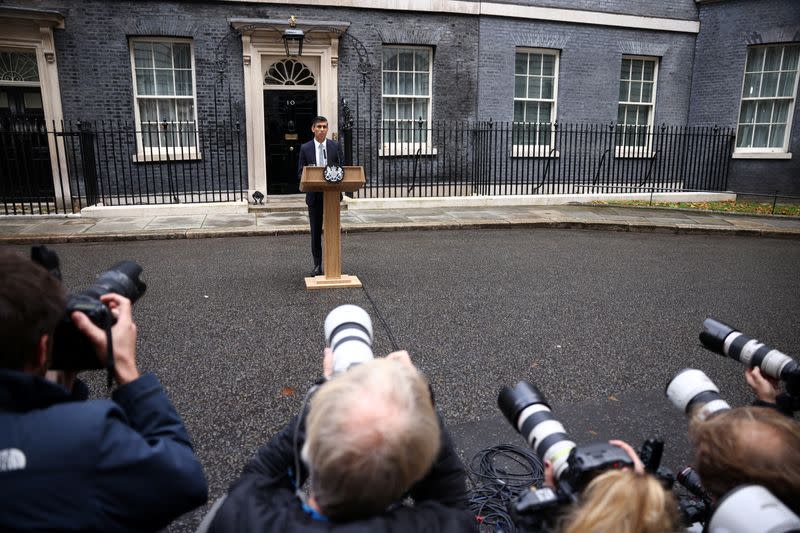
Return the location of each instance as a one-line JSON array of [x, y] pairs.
[[308, 157]]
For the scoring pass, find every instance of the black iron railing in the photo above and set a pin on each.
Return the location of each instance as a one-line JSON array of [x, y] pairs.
[[65, 166], [501, 158]]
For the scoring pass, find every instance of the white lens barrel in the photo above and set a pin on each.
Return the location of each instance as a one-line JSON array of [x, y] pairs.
[[558, 453], [752, 508], [710, 408], [348, 331], [350, 353], [347, 313], [773, 363], [686, 385]]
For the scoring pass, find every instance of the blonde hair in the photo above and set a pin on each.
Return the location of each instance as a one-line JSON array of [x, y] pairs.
[[748, 445], [622, 501], [371, 433]]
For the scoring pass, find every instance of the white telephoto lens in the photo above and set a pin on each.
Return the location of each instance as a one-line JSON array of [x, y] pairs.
[[348, 331], [752, 508], [687, 384]]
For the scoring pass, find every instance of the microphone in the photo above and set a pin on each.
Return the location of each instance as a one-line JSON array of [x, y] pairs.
[[324, 156]]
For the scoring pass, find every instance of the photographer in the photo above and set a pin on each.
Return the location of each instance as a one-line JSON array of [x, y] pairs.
[[623, 501], [65, 464], [748, 445], [620, 501], [370, 437]]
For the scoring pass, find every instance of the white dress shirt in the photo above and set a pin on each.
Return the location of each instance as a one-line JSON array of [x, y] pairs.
[[321, 159]]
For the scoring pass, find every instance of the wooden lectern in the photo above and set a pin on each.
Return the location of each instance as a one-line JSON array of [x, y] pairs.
[[313, 180]]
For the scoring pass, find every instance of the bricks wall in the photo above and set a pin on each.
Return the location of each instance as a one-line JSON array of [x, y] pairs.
[[590, 57], [95, 70], [94, 58], [699, 76], [726, 29], [677, 9]]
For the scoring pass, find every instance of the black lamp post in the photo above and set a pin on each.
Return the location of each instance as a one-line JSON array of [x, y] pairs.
[[293, 38]]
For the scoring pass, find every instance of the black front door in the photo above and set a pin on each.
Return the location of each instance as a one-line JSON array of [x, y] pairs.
[[25, 172], [288, 124]]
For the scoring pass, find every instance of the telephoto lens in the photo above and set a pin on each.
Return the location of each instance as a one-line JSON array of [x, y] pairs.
[[122, 279], [527, 410], [695, 394], [348, 331], [751, 508], [726, 341], [689, 478], [72, 350]]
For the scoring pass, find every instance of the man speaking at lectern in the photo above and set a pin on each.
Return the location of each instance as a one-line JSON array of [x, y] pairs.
[[317, 152]]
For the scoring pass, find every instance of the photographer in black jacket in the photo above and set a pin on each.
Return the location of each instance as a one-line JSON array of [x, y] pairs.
[[370, 440]]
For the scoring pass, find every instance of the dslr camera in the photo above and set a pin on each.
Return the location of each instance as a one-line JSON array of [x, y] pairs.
[[574, 466], [72, 350]]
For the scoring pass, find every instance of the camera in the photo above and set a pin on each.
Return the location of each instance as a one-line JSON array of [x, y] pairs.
[[348, 331], [691, 391], [574, 466], [693, 509], [71, 349], [728, 342]]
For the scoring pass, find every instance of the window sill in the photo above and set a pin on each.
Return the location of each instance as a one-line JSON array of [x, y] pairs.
[[534, 152], [761, 155], [633, 153], [161, 157]]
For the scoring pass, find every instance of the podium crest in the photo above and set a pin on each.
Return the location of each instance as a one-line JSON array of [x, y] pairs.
[[333, 173]]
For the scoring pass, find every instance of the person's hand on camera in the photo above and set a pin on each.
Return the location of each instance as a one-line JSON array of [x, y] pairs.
[[765, 388], [402, 356], [327, 360], [123, 335], [638, 466]]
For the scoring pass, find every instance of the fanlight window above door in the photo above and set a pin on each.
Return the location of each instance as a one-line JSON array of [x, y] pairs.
[[18, 66], [289, 72]]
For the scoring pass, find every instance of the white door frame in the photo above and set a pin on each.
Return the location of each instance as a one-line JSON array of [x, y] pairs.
[[262, 38], [32, 29]]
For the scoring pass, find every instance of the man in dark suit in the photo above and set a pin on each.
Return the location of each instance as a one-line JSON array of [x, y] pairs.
[[319, 152]]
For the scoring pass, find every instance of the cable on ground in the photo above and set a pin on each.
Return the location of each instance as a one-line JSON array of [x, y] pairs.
[[498, 475]]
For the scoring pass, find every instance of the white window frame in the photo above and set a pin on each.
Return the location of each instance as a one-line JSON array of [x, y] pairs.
[[174, 153], [400, 148], [766, 152], [646, 150], [537, 150]]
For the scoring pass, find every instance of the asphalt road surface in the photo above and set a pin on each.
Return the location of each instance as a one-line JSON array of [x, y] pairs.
[[598, 320]]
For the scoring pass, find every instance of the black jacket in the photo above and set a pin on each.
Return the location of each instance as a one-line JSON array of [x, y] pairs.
[[100, 465], [263, 499], [308, 157]]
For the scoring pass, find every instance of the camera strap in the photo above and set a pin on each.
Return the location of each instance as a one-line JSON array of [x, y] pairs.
[[109, 350]]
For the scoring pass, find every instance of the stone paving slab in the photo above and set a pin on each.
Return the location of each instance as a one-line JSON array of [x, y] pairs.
[[776, 222], [282, 221], [13, 229], [119, 224], [176, 222], [52, 227], [229, 221]]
